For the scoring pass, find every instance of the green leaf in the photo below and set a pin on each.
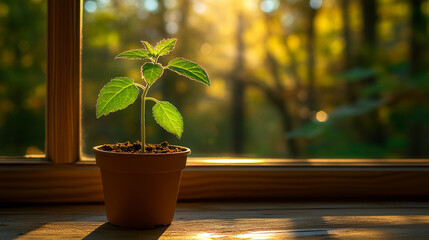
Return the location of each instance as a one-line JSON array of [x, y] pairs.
[[136, 54], [116, 95], [149, 48], [167, 116], [189, 69], [165, 46], [360, 107], [309, 130], [151, 72], [358, 74]]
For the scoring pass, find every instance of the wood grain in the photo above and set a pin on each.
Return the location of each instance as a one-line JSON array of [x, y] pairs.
[[303, 183], [82, 183], [63, 81], [282, 162], [263, 220]]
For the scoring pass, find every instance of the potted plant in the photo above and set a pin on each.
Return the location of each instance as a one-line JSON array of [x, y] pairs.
[[141, 184]]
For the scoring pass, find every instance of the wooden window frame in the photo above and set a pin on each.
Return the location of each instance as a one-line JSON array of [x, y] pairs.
[[62, 177]]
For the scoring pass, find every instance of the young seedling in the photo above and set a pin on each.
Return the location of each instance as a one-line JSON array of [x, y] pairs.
[[120, 92]]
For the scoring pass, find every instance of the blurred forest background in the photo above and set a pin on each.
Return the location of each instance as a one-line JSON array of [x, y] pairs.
[[23, 49], [290, 78]]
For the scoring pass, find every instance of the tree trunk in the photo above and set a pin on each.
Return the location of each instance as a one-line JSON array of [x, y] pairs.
[[418, 37], [237, 114], [291, 144], [374, 130], [279, 98], [417, 65], [347, 57], [369, 10], [311, 61]]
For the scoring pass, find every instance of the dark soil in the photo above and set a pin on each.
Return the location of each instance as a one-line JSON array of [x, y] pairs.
[[128, 147]]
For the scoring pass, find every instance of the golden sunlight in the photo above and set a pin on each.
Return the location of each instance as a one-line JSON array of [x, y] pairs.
[[234, 161], [208, 236], [321, 116], [259, 235]]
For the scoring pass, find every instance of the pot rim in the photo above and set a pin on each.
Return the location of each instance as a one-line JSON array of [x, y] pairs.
[[186, 152]]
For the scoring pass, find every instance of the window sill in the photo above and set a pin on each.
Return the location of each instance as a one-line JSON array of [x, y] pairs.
[[42, 181], [227, 220]]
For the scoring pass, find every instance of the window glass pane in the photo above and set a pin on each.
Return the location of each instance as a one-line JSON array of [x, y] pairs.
[[22, 77], [290, 79]]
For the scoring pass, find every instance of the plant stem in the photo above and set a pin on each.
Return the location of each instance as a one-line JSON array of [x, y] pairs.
[[140, 86], [143, 125], [152, 99]]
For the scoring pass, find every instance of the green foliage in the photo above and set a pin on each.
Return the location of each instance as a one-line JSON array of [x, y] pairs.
[[23, 59], [360, 107], [315, 129], [165, 46], [151, 72], [189, 69], [116, 95], [358, 74], [309, 131], [149, 48], [136, 54], [168, 117], [121, 92]]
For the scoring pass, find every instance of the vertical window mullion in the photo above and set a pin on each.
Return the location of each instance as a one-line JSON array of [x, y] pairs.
[[63, 81]]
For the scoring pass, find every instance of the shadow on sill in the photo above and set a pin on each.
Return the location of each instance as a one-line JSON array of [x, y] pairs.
[[109, 231]]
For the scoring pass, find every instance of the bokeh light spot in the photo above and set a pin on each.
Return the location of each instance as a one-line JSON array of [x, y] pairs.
[[4, 10], [206, 48], [315, 4], [90, 6], [321, 116], [151, 5], [172, 28], [103, 3], [269, 5], [200, 7], [170, 4], [287, 19]]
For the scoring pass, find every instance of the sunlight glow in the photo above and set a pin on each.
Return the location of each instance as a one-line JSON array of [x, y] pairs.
[[287, 19], [200, 7], [250, 5], [209, 236], [321, 116], [269, 5], [172, 27], [4, 10], [90, 6], [170, 4], [206, 48], [294, 43], [103, 3], [33, 151], [151, 5], [233, 161], [315, 4], [385, 220], [258, 235]]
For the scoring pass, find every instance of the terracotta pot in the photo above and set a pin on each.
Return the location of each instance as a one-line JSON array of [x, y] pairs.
[[140, 190]]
